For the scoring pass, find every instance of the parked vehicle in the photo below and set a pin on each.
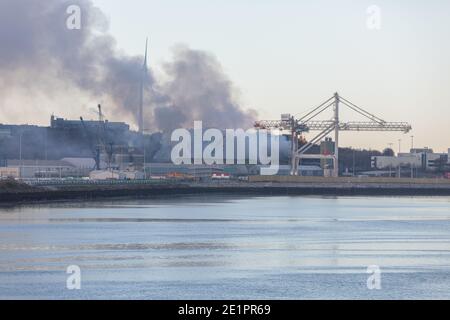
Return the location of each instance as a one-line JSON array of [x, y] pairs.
[[221, 176]]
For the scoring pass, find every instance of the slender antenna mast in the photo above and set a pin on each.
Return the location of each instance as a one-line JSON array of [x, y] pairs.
[[141, 93], [145, 56]]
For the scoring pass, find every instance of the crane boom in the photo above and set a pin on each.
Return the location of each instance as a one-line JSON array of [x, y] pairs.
[[361, 126], [343, 126]]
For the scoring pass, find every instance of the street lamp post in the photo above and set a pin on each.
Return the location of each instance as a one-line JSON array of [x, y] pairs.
[[20, 147], [413, 166], [391, 145], [145, 169], [354, 162], [399, 151], [20, 154]]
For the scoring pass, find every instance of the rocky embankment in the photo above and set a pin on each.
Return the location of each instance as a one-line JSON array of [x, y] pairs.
[[13, 193]]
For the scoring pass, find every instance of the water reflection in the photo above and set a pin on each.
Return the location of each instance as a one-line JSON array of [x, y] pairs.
[[279, 247]]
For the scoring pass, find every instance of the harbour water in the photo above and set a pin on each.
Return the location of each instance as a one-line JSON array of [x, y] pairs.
[[219, 247]]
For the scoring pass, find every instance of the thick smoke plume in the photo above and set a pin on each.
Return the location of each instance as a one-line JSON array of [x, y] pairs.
[[46, 66], [198, 89]]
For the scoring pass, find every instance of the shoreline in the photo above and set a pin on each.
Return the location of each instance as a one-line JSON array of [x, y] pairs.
[[42, 195]]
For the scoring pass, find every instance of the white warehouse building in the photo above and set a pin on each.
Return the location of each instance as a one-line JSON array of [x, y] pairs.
[[386, 162], [424, 159]]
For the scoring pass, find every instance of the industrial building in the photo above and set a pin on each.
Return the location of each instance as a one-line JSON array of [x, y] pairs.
[[34, 169], [424, 160], [63, 124], [402, 160], [116, 175], [73, 139]]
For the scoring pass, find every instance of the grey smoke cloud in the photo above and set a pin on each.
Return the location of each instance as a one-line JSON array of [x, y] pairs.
[[36, 43], [39, 54], [198, 89]]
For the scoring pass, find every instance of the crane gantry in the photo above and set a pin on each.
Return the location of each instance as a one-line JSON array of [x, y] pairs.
[[297, 127]]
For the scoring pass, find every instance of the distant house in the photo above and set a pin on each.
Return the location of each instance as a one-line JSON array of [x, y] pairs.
[[9, 173]]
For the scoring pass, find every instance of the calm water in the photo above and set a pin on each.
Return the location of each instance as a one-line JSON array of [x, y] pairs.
[[228, 248]]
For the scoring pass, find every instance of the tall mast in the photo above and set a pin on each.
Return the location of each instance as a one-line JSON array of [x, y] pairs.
[[141, 93]]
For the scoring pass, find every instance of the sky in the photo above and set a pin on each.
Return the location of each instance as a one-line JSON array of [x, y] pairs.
[[287, 56]]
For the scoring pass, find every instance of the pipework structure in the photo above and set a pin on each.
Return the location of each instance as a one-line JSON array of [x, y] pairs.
[[307, 123]]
